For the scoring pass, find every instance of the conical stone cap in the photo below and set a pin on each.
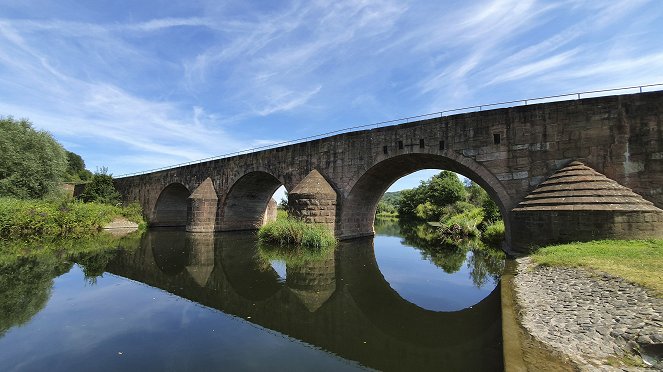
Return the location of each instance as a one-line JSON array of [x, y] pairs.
[[579, 187], [314, 184], [205, 191]]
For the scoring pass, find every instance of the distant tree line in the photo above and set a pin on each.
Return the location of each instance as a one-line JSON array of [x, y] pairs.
[[461, 209]]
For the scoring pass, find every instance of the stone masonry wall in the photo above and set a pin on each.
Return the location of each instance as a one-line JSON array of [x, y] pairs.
[[538, 229], [508, 151]]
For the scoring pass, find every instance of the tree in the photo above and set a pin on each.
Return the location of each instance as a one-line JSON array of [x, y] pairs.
[[431, 196], [32, 162], [444, 189], [101, 188], [76, 168]]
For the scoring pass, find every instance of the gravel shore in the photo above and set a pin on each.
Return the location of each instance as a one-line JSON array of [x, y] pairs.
[[600, 322]]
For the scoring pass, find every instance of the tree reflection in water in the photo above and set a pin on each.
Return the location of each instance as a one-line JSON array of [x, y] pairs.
[[484, 262], [25, 286], [26, 280]]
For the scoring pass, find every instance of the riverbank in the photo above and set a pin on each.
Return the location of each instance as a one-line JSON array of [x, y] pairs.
[[586, 319], [63, 218]]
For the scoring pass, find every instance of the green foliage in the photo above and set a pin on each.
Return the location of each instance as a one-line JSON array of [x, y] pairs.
[[493, 234], [32, 163], [64, 218], [385, 208], [491, 210], [101, 189], [76, 168], [463, 224], [293, 258], [294, 232], [25, 286], [281, 214], [444, 189], [27, 270], [449, 254], [441, 190], [410, 199], [388, 204], [427, 211]]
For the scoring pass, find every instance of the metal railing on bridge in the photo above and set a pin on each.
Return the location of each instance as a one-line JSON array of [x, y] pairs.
[[408, 119]]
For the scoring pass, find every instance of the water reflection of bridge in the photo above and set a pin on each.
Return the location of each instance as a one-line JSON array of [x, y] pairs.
[[341, 303]]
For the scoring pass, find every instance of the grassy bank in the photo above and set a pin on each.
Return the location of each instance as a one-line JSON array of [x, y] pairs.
[[31, 219], [638, 261], [292, 232]]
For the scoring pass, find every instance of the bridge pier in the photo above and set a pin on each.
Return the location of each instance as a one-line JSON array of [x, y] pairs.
[[313, 201], [201, 208]]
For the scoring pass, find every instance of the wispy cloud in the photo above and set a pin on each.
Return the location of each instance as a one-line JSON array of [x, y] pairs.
[[210, 77]]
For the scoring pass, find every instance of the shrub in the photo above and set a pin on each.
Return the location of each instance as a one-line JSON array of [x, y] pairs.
[[494, 233], [101, 189], [463, 224], [64, 218]]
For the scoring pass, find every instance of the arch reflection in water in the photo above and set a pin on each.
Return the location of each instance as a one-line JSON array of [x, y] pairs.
[[435, 275], [339, 302]]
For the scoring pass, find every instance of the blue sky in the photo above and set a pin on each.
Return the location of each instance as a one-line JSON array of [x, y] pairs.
[[135, 85]]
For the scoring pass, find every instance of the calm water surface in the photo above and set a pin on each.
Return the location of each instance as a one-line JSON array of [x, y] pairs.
[[179, 301]]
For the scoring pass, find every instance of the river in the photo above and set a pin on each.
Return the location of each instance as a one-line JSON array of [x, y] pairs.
[[171, 300]]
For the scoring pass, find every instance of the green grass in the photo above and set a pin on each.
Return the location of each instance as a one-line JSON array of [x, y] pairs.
[[293, 232], [281, 214], [638, 261], [30, 219]]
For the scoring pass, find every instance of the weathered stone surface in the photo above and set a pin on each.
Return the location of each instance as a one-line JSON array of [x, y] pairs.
[[271, 211], [313, 200], [201, 210], [618, 136], [577, 203], [590, 317]]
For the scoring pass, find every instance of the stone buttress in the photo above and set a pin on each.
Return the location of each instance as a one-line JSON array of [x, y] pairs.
[[201, 208], [578, 203], [313, 200]]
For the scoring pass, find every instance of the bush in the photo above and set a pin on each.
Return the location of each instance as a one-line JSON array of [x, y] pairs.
[[494, 233], [101, 189], [64, 218], [463, 224], [32, 163], [290, 231]]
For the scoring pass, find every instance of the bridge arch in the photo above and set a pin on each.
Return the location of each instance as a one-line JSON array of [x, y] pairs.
[[359, 206], [171, 207], [246, 201]]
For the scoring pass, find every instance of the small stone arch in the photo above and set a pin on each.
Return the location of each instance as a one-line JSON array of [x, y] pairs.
[[358, 208], [170, 209], [247, 200]]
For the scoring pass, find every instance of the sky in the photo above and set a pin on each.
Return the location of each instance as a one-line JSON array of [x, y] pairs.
[[137, 85]]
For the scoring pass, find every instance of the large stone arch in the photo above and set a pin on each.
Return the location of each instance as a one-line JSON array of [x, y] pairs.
[[170, 209], [358, 208], [246, 201]]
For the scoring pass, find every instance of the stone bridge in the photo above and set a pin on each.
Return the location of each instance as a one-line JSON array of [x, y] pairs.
[[339, 180]]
